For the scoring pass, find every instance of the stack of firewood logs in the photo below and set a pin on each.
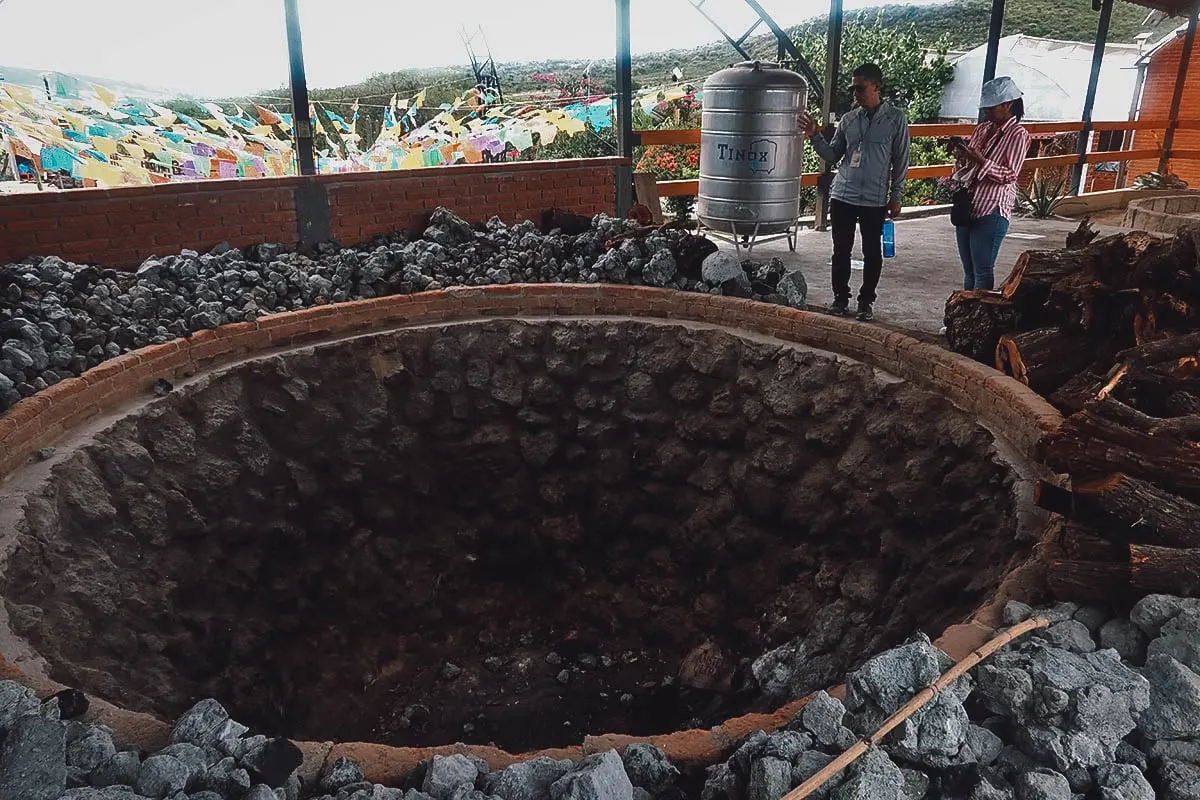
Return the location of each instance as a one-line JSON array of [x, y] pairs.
[[1108, 331]]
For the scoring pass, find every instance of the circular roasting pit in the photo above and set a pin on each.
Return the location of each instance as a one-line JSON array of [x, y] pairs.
[[509, 532]]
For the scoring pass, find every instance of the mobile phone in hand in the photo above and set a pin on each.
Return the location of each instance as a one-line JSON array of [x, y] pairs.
[[957, 141]]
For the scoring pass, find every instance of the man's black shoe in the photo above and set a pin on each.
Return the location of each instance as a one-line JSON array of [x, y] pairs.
[[864, 313], [839, 307]]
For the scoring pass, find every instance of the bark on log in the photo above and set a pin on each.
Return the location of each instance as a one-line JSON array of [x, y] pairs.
[[1044, 359], [1150, 389], [1144, 377], [1182, 403], [1104, 294], [1165, 570], [1156, 352], [1161, 313], [1082, 236], [1053, 498], [636, 233], [1122, 261], [1124, 419], [976, 320], [1083, 543], [1074, 395], [1037, 271], [1095, 307], [1088, 581], [1108, 436], [1127, 510]]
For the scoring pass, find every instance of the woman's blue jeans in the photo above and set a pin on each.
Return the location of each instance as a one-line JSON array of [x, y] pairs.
[[978, 245]]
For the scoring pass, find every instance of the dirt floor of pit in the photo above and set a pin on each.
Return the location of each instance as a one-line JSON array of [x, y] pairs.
[[508, 533]]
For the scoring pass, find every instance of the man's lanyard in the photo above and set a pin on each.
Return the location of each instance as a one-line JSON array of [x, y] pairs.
[[856, 156]]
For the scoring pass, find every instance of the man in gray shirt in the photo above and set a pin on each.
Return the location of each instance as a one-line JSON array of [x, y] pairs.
[[872, 143]]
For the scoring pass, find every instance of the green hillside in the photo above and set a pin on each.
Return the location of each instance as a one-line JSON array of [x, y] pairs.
[[964, 24], [959, 25]]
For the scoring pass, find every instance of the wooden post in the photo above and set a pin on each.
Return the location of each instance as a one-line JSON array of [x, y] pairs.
[[1164, 161], [833, 65], [1089, 101]]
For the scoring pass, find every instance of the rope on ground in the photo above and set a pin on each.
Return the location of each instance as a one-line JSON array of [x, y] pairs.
[[912, 706]]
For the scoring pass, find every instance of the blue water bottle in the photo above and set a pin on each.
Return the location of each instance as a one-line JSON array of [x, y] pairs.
[[889, 239]]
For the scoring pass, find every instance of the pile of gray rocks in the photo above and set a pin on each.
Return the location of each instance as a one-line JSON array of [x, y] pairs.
[[1094, 707], [58, 319], [212, 757]]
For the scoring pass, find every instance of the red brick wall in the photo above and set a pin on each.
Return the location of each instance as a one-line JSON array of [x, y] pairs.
[[366, 204], [1156, 104], [123, 227], [1101, 181]]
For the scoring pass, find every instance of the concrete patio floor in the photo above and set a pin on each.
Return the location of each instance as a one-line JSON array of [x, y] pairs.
[[926, 269]]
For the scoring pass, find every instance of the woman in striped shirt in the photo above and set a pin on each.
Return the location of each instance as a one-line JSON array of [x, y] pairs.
[[989, 163]]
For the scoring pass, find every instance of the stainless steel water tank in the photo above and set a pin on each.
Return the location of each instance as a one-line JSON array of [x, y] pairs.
[[751, 148]]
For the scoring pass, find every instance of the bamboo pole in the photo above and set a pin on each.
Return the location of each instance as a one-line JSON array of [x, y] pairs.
[[912, 706]]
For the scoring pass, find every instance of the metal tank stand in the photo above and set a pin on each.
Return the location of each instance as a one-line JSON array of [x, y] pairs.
[[751, 238]]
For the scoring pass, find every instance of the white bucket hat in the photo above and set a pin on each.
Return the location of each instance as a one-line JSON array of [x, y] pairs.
[[999, 91]]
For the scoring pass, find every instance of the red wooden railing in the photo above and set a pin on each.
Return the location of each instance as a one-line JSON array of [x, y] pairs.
[[691, 136]]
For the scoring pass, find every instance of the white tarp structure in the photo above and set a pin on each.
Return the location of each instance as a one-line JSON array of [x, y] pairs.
[[1052, 74]]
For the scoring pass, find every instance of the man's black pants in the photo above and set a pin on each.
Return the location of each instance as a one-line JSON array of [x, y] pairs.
[[870, 221]]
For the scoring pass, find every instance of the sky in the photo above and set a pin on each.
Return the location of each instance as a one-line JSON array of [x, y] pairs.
[[218, 48]]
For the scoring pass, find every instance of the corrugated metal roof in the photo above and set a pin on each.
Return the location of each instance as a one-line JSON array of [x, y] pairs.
[[1163, 42]]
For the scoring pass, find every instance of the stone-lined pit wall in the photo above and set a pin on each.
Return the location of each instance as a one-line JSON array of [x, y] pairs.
[[122, 227], [1005, 405], [1168, 214], [996, 400], [562, 511]]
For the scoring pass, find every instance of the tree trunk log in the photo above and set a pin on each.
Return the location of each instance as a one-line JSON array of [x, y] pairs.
[[1150, 389], [1088, 581], [1144, 377], [1043, 359], [1037, 271], [1082, 236], [1094, 307], [1082, 543], [1126, 510], [1180, 404], [1156, 352], [1165, 570], [1109, 436], [976, 320], [1074, 395]]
